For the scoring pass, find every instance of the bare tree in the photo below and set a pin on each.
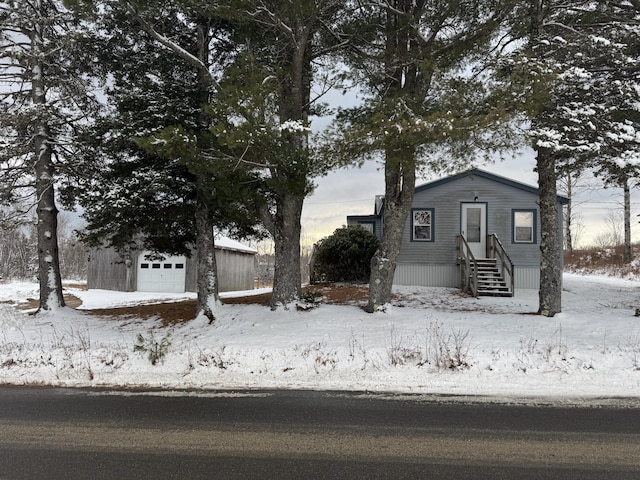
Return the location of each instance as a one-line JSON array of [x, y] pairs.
[[614, 223], [18, 259]]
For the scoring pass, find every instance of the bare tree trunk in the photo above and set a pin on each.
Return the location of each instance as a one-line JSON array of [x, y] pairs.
[[207, 270], [206, 281], [285, 224], [47, 213], [550, 293], [567, 220], [48, 254], [400, 181], [286, 232], [400, 162], [627, 257]]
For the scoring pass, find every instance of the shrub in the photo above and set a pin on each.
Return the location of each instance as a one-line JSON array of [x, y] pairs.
[[155, 349], [345, 256]]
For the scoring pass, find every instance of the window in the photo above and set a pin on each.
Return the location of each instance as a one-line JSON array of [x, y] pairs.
[[179, 266], [524, 226], [155, 265], [144, 265], [368, 226], [167, 265], [422, 225]]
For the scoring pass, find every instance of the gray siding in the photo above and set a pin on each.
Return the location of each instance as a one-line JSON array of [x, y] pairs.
[[190, 274], [374, 220], [427, 275], [235, 270], [107, 270], [527, 278], [433, 263], [446, 199], [449, 276]]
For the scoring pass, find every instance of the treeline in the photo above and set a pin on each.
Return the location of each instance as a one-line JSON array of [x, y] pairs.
[[19, 255]]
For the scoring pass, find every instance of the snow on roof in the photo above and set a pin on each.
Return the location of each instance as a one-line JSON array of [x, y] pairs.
[[226, 243]]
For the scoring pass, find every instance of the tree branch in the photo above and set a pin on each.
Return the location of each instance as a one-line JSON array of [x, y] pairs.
[[170, 45]]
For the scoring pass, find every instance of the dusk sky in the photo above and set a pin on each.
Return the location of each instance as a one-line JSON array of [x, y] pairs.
[[352, 192]]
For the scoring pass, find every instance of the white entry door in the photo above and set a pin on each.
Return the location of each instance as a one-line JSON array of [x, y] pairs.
[[166, 275], [474, 227]]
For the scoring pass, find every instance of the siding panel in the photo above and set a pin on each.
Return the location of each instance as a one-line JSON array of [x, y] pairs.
[[446, 200], [107, 270], [426, 275], [449, 276], [527, 278], [235, 270]]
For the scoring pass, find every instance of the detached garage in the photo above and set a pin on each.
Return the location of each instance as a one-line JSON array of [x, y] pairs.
[[144, 271]]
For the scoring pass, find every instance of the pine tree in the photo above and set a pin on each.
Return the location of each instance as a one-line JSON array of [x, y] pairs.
[[287, 32], [45, 99], [163, 184], [415, 60], [269, 129], [580, 64]]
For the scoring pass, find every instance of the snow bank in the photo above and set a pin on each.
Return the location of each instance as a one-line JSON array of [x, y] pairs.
[[433, 341]]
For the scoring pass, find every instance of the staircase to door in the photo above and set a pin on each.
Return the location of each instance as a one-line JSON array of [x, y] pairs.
[[492, 276], [491, 281]]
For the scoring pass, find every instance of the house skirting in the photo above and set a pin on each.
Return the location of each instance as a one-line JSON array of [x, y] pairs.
[[449, 276]]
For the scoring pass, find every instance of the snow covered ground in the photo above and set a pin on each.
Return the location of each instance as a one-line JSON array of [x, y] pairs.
[[433, 341]]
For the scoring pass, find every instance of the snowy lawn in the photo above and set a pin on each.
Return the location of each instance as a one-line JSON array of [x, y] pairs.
[[431, 341]]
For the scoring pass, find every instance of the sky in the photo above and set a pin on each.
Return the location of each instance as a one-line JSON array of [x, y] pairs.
[[427, 341], [352, 192]]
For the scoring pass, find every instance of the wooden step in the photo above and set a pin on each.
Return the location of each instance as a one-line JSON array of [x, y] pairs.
[[490, 281]]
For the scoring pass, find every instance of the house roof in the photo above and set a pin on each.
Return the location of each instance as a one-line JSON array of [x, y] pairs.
[[379, 200], [226, 243], [476, 172]]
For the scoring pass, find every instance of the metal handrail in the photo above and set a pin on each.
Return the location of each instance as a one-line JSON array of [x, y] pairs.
[[468, 275], [496, 250]]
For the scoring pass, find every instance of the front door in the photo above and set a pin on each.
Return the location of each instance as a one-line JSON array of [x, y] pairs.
[[474, 227]]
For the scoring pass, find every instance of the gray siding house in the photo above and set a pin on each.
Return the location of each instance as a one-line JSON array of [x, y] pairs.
[[474, 230], [141, 271]]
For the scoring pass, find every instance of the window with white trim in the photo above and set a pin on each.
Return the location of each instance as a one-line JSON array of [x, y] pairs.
[[524, 226]]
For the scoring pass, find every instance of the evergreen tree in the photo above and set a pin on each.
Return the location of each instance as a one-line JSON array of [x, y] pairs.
[[286, 35], [268, 118], [44, 69], [163, 185], [415, 60], [579, 65]]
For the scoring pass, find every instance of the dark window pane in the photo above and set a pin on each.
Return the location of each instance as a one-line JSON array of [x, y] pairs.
[[474, 219]]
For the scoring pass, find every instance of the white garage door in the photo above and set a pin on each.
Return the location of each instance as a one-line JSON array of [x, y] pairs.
[[166, 275]]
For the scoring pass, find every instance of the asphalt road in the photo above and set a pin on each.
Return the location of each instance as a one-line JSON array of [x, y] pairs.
[[78, 434]]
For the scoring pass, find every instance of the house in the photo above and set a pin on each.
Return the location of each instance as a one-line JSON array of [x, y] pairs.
[[474, 230], [141, 271]]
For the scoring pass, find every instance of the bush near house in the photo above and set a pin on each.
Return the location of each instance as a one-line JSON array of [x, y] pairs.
[[344, 256]]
